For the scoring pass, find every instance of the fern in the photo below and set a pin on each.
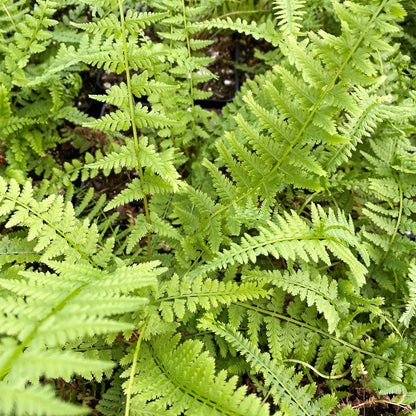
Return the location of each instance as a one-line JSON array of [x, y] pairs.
[[290, 16], [30, 351], [316, 291], [281, 381], [185, 299], [291, 239], [46, 89], [197, 391]]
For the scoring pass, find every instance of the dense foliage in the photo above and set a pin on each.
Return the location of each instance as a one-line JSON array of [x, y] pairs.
[[255, 261]]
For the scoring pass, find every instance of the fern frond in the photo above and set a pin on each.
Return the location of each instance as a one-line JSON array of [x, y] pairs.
[[182, 377], [315, 290], [51, 222], [292, 238], [35, 400], [411, 303], [121, 156], [181, 297], [115, 121], [282, 381], [264, 31], [289, 14], [51, 312]]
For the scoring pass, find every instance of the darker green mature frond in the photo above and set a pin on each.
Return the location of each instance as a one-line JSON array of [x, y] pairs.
[[303, 340], [111, 403], [282, 382], [316, 290], [181, 377], [292, 238]]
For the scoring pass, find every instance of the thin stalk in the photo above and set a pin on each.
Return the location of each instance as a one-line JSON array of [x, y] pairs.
[[188, 45], [337, 377], [318, 331], [133, 125], [133, 367], [9, 15]]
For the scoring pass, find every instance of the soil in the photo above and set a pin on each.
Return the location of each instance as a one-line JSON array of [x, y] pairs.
[[225, 53], [369, 404], [229, 53]]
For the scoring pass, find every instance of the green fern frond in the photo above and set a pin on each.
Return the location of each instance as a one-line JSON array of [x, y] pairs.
[[182, 377], [181, 297], [282, 381], [292, 238], [41, 301], [51, 222], [121, 156], [36, 401], [289, 14], [110, 25], [264, 31], [315, 290], [411, 303], [115, 121]]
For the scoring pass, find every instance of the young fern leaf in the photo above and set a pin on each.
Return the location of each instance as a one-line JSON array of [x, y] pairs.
[[289, 14]]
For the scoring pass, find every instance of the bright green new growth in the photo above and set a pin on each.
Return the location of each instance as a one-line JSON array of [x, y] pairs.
[[267, 244]]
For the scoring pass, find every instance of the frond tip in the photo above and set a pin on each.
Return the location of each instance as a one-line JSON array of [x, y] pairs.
[[289, 14], [411, 303]]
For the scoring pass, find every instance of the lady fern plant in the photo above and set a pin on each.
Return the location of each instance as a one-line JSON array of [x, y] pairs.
[[274, 266]]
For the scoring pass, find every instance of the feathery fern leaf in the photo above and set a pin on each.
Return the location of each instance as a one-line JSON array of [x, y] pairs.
[[282, 382], [182, 378], [50, 309], [291, 238]]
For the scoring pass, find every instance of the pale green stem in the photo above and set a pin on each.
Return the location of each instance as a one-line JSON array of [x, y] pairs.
[[133, 124], [133, 367]]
